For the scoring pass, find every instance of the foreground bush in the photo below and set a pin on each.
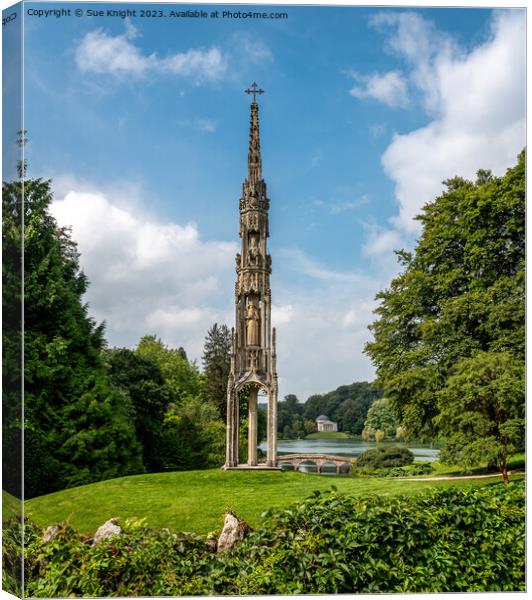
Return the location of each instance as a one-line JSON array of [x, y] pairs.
[[447, 541], [387, 456], [12, 552]]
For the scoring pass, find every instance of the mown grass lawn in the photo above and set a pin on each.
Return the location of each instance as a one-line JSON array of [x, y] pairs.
[[196, 500], [329, 435], [516, 463]]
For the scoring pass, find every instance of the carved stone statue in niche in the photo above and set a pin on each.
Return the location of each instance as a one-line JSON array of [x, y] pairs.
[[253, 359], [252, 324], [238, 261], [253, 252]]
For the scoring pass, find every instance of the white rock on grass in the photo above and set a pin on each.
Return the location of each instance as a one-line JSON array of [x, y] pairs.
[[50, 533], [108, 530], [234, 531]]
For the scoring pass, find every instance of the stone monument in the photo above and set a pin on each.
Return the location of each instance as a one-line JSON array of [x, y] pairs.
[[253, 357]]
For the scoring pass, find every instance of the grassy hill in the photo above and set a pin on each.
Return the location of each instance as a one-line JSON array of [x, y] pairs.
[[196, 500], [10, 505]]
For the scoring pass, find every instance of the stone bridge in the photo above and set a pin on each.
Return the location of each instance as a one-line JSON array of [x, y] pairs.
[[318, 459]]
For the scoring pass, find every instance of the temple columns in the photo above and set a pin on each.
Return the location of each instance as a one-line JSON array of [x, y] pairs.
[[271, 452], [236, 428], [232, 429], [252, 427], [229, 455], [269, 462], [232, 459]]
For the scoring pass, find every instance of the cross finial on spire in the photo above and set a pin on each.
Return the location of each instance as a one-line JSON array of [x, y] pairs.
[[254, 90]]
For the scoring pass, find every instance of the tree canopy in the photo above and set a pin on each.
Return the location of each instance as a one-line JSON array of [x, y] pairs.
[[140, 378], [181, 375], [459, 302], [380, 418]]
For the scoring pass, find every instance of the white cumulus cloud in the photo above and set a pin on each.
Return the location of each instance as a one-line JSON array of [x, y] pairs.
[[102, 53], [148, 276], [475, 100], [389, 88]]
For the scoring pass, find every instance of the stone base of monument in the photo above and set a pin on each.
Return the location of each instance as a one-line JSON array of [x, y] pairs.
[[245, 467]]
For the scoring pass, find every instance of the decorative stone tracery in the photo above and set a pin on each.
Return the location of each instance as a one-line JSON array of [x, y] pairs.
[[253, 358]]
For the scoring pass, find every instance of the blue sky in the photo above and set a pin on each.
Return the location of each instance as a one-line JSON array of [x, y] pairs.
[[143, 125]]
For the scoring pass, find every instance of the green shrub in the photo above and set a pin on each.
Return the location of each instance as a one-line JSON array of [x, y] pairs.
[[387, 456], [393, 472], [422, 469], [445, 541]]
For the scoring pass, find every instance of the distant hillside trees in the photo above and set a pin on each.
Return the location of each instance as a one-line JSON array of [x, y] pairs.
[[290, 421], [449, 339], [348, 405]]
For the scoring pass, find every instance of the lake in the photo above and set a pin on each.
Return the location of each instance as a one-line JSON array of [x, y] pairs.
[[348, 447]]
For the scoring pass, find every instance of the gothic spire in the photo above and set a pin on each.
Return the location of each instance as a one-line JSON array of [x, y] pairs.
[[254, 158]]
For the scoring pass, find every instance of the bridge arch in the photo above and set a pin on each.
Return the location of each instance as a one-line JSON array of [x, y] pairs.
[[319, 460]]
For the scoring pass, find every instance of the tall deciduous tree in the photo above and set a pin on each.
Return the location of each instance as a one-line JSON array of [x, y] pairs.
[[216, 365], [461, 294], [482, 410], [380, 418], [180, 375], [141, 379]]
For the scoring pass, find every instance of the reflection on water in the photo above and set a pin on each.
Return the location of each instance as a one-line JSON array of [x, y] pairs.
[[347, 447]]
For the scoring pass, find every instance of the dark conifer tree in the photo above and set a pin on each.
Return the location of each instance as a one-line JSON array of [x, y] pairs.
[[12, 340], [216, 364], [77, 428]]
